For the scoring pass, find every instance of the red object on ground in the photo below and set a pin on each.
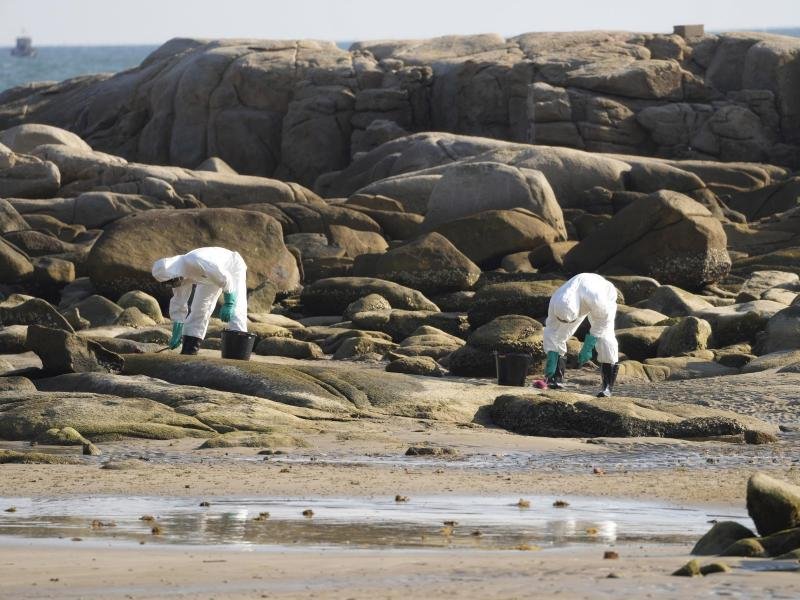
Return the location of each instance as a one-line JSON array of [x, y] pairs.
[[540, 383]]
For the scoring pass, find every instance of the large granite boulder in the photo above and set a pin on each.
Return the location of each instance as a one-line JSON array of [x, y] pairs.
[[430, 264], [121, 259], [486, 237], [470, 188], [667, 236]]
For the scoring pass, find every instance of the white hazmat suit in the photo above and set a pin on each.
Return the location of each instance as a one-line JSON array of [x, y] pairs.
[[585, 295], [212, 271]]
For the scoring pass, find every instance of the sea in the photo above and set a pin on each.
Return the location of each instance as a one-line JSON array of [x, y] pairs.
[[57, 63]]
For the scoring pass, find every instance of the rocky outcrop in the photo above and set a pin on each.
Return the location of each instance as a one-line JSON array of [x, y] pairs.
[[121, 259], [666, 235], [566, 414], [296, 109]]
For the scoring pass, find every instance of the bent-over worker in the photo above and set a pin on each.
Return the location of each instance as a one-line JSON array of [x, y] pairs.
[[211, 271], [585, 295]]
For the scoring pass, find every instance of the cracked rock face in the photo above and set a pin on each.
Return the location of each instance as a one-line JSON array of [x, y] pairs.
[[296, 109]]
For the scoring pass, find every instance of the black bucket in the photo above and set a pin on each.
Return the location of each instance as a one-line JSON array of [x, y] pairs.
[[237, 344], [512, 367]]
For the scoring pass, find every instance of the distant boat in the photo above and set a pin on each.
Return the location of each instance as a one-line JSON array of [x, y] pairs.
[[24, 47]]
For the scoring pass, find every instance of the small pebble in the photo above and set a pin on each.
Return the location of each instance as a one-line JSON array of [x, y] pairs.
[[610, 554]]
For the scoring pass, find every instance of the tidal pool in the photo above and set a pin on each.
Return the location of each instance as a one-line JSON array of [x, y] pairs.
[[481, 522]]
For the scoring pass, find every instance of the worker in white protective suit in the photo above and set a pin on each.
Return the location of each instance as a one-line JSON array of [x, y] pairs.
[[210, 271], [585, 295]]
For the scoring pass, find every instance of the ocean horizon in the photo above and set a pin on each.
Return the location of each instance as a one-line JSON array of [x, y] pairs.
[[57, 63]]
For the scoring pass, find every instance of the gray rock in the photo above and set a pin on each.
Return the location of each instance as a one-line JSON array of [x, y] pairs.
[[64, 352], [675, 302], [369, 303], [634, 288], [416, 365], [507, 333], [516, 298], [133, 317], [332, 296], [15, 265], [628, 317], [486, 237], [782, 331], [689, 367], [760, 282], [32, 312], [773, 505], [686, 336], [277, 346], [640, 343], [146, 303], [720, 537], [430, 264], [99, 311], [773, 360]]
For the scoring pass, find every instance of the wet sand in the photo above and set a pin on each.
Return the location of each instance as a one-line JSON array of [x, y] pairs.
[[68, 570]]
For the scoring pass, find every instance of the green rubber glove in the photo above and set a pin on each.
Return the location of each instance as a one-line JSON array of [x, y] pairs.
[[551, 364], [177, 335], [586, 351], [228, 304]]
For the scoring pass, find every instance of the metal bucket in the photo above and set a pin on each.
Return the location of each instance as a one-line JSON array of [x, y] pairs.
[[237, 344], [512, 368]]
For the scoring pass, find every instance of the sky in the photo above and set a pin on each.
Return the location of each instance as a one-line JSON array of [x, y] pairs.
[[93, 22]]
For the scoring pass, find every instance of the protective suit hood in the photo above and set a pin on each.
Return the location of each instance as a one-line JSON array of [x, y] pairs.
[[165, 269], [569, 308]]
